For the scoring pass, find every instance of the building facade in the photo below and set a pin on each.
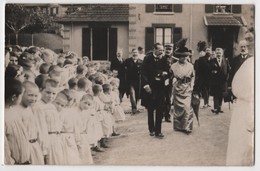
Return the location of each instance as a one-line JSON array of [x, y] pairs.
[[97, 30]]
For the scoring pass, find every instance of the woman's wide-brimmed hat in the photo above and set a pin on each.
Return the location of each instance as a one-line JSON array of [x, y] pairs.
[[181, 52]]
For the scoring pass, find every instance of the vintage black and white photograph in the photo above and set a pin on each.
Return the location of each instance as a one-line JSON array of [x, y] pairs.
[[137, 84]]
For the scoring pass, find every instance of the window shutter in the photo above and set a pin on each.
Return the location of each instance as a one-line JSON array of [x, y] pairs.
[[177, 34], [149, 38], [177, 8], [149, 8], [112, 42], [209, 8], [57, 10], [86, 42], [236, 9]]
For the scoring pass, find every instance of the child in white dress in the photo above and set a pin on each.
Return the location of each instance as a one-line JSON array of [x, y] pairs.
[[69, 131], [102, 111], [90, 128], [117, 110], [29, 98], [16, 139], [51, 124]]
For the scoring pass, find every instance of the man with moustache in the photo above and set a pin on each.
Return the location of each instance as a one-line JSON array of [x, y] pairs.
[[237, 61], [118, 64], [220, 69], [133, 66], [203, 69], [154, 75]]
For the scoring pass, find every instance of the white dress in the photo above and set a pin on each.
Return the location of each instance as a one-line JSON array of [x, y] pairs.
[[104, 116], [240, 149], [51, 125], [90, 133], [117, 110], [70, 135], [34, 134], [16, 136]]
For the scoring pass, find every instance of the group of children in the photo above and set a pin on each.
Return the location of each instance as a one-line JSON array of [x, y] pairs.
[[58, 111]]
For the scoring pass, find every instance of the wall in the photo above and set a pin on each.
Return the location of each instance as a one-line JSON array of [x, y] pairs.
[[193, 26]]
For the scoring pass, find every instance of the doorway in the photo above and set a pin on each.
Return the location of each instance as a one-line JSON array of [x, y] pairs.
[[223, 37], [99, 43]]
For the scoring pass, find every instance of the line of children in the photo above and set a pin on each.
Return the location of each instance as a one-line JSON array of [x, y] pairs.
[[46, 123]]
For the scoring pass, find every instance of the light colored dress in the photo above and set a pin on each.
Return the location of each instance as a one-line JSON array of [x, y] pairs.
[[117, 110], [182, 90], [51, 125], [8, 158], [90, 132], [240, 151], [16, 136], [104, 116], [70, 135], [33, 130]]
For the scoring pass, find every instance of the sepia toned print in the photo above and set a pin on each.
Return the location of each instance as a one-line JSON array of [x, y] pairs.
[[129, 84]]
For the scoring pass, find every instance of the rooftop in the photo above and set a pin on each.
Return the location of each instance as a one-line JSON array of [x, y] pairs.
[[98, 12]]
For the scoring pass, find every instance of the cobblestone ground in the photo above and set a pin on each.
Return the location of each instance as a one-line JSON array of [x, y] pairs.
[[205, 146]]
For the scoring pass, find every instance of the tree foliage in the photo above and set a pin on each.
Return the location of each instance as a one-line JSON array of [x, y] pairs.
[[20, 18], [17, 17]]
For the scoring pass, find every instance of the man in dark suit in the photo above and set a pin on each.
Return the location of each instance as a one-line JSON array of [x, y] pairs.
[[118, 64], [203, 73], [154, 73], [219, 76], [133, 78], [237, 61], [168, 89]]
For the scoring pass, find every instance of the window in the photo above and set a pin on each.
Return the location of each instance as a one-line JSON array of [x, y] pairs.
[[45, 10], [163, 8], [223, 9], [163, 35]]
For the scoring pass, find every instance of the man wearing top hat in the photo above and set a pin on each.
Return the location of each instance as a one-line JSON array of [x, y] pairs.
[[154, 72]]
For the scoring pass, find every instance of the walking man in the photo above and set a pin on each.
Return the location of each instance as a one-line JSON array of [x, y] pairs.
[[133, 66], [219, 74], [154, 74]]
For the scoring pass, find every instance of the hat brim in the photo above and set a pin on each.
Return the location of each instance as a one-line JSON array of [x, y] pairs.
[[181, 54]]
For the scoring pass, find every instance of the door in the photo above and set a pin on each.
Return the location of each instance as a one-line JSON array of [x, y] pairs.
[[99, 43], [223, 37]]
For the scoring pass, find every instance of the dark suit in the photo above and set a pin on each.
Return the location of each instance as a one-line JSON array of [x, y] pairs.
[[168, 88], [235, 64], [151, 72], [120, 67], [133, 80], [202, 67], [219, 78]]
